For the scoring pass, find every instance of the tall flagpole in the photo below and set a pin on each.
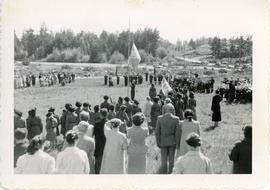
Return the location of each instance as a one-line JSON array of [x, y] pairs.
[[128, 56]]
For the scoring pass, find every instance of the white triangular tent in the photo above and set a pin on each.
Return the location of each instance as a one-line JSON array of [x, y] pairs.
[[134, 58]]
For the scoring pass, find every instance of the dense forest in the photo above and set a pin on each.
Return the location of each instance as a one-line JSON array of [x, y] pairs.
[[66, 46]]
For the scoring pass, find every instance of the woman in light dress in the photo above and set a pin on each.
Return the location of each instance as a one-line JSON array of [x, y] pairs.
[[137, 148], [35, 161], [116, 144], [72, 160], [188, 125]]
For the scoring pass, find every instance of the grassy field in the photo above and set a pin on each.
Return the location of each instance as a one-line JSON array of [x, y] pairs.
[[216, 143]]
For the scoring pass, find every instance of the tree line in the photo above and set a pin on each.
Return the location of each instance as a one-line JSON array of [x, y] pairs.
[[66, 46]]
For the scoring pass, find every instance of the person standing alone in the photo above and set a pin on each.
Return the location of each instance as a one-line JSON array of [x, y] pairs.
[[216, 115], [133, 85]]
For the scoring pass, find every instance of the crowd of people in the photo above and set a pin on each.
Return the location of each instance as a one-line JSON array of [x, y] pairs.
[[94, 141], [43, 79], [236, 90]]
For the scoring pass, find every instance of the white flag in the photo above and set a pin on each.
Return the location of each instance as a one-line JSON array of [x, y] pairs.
[[165, 86]]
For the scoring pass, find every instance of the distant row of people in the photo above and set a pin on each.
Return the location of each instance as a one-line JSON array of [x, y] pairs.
[[109, 79], [43, 79]]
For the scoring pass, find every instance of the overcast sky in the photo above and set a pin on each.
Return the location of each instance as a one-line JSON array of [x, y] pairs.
[[175, 19]]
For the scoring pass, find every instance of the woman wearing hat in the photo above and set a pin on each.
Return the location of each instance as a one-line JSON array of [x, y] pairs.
[[116, 144], [193, 162], [35, 161], [188, 125], [72, 160], [19, 122], [137, 147]]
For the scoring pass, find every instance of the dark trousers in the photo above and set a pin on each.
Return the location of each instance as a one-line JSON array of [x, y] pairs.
[[167, 154], [98, 161], [132, 94]]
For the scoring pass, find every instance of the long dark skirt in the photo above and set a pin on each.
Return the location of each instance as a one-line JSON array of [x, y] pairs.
[[216, 115]]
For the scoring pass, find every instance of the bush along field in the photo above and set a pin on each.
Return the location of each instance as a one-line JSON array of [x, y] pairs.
[[217, 142]]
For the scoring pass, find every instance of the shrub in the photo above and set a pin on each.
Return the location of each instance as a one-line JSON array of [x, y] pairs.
[[222, 71], [66, 67], [161, 52], [20, 55], [209, 72], [117, 58], [89, 69], [25, 63], [67, 55], [151, 59], [101, 58], [84, 59], [144, 56]]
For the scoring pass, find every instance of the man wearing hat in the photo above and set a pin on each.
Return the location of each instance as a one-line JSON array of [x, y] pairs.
[[193, 162], [21, 143], [129, 109], [63, 118], [136, 107], [79, 108], [86, 143], [34, 124], [105, 104], [18, 121], [71, 118], [167, 137]]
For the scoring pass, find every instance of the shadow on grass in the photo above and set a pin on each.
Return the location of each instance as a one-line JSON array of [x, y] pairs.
[[211, 128]]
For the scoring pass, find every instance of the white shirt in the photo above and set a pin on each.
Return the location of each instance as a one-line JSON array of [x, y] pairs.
[[72, 161], [147, 108], [38, 163], [193, 162]]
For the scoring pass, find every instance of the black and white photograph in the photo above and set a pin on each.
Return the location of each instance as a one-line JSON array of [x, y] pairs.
[[144, 87]]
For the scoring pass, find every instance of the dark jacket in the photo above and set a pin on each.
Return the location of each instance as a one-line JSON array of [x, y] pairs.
[[100, 137], [34, 126], [105, 105], [241, 155], [168, 131], [216, 116]]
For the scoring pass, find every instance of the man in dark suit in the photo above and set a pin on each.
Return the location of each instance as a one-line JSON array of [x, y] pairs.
[[100, 139], [168, 137], [105, 104]]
